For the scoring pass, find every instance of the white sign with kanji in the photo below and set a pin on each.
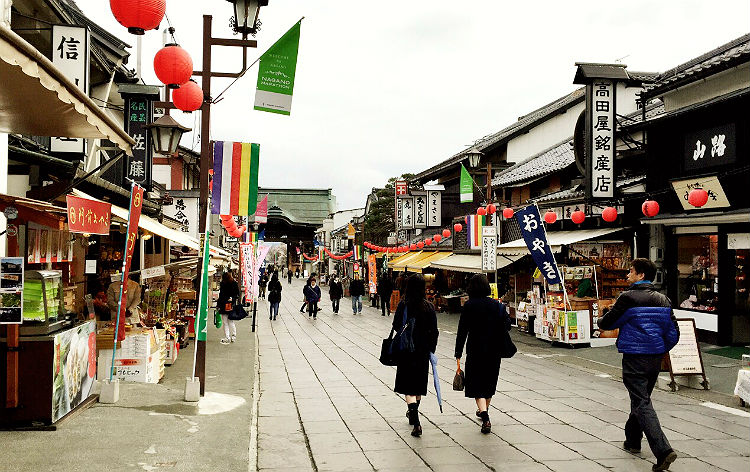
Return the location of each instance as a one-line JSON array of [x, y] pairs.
[[602, 139], [70, 54], [489, 248]]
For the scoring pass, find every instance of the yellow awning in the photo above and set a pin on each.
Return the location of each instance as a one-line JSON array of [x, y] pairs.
[[37, 99], [418, 265], [398, 259], [403, 260]]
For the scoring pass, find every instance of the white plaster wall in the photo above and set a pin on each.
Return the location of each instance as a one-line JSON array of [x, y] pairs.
[[544, 136], [708, 88], [163, 175]]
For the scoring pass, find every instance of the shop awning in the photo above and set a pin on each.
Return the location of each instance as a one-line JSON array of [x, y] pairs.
[[471, 262], [153, 226], [418, 265], [556, 240], [37, 211], [400, 263], [38, 100], [705, 218]]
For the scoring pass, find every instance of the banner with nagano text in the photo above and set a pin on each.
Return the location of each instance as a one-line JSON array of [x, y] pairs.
[[276, 72]]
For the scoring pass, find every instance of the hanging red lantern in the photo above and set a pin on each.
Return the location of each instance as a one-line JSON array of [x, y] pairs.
[[437, 238], [428, 242], [481, 211], [698, 197], [138, 15], [420, 245], [650, 208], [457, 228], [446, 233], [508, 213], [413, 247], [403, 249], [491, 208], [189, 97], [609, 214], [173, 65], [550, 217], [578, 217]]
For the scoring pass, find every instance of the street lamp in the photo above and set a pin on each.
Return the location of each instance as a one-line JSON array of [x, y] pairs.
[[166, 134], [474, 155], [246, 15]]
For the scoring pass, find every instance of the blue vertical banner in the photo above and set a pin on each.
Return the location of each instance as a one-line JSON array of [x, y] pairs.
[[535, 237]]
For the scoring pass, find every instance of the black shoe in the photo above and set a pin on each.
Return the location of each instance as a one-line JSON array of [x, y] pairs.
[[315, 317], [411, 423], [486, 427], [274, 318], [663, 464], [631, 449], [417, 431], [479, 414]]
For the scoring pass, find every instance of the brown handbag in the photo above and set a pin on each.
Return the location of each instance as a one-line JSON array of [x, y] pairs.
[[458, 379]]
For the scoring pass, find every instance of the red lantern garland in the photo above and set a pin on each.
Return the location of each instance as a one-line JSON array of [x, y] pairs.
[[457, 228], [420, 245], [446, 233], [428, 241], [550, 217], [650, 208], [138, 15], [698, 197], [578, 217], [508, 213], [437, 238], [491, 208], [189, 97], [481, 211], [609, 214], [173, 65], [413, 247]]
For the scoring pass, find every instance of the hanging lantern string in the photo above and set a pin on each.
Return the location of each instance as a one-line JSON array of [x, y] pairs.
[[242, 74], [171, 28]]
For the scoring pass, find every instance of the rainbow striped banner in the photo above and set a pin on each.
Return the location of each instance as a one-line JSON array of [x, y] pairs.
[[474, 225], [235, 184], [357, 252]]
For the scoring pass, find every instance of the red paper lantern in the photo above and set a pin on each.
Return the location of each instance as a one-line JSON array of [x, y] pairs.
[[173, 65], [481, 211], [609, 214], [189, 97], [428, 241], [437, 238], [698, 197], [413, 247], [508, 213], [550, 217], [650, 208], [578, 217], [491, 208], [446, 233], [138, 15], [420, 245], [457, 228], [403, 249]]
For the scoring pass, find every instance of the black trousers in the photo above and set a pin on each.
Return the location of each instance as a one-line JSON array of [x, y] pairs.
[[312, 309], [385, 304], [639, 374], [335, 304]]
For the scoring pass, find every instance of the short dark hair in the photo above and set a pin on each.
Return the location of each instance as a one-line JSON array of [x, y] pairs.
[[479, 286], [644, 266]]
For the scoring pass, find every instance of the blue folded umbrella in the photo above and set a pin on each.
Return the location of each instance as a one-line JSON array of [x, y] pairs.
[[436, 380]]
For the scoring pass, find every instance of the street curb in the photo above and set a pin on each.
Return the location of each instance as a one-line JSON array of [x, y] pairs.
[[253, 449]]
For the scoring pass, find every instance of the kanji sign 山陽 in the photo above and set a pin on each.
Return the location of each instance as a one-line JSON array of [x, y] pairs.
[[88, 216], [602, 144]]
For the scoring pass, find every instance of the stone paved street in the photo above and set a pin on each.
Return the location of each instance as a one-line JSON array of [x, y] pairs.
[[326, 403]]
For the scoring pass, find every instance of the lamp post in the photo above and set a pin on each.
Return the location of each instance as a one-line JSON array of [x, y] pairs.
[[475, 155], [166, 134], [246, 15], [206, 158]]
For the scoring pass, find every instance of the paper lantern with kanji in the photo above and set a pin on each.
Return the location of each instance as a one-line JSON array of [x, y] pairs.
[[578, 217], [189, 97], [550, 217], [491, 209], [609, 214], [446, 233], [428, 241], [420, 245], [650, 208], [457, 228], [138, 15], [698, 197], [173, 65], [508, 213], [437, 238], [481, 211]]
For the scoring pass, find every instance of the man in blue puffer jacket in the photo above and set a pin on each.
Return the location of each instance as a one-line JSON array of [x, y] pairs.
[[648, 330]]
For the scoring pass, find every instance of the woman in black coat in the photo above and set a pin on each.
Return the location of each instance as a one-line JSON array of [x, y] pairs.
[[413, 368], [483, 321], [274, 295], [335, 291], [229, 296]]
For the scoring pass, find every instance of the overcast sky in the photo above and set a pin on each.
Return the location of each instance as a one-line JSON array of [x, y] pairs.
[[384, 88]]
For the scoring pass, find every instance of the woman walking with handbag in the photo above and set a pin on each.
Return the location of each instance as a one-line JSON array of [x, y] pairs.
[[229, 293], [274, 295], [413, 367], [312, 297], [485, 323]]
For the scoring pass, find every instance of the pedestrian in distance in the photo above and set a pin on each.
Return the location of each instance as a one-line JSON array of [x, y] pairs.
[[262, 283], [335, 291], [648, 330], [296, 272], [274, 295], [304, 298], [481, 328], [385, 289], [312, 297], [229, 296], [413, 368], [289, 276], [357, 291]]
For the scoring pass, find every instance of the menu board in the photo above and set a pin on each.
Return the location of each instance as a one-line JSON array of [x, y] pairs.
[[685, 357], [11, 290]]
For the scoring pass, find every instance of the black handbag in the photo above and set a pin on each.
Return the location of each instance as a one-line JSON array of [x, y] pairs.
[[507, 348], [394, 347], [237, 313]]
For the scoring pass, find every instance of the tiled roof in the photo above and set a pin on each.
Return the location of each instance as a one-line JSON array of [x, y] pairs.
[[552, 160], [721, 58], [653, 109], [524, 122], [566, 194]]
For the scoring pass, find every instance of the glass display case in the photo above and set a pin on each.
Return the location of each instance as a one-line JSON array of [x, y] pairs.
[[43, 302]]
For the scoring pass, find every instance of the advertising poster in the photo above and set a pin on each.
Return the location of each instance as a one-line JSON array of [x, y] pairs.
[[11, 290], [372, 269], [73, 369]]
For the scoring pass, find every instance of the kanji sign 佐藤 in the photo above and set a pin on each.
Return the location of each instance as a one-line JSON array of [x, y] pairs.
[[88, 216]]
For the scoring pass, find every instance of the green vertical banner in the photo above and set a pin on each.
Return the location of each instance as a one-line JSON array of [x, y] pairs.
[[276, 72], [202, 319], [466, 187]]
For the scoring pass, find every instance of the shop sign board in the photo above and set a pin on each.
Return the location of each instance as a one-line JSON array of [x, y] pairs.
[[47, 245], [738, 241], [489, 248], [399, 212], [535, 237], [73, 369], [710, 147], [152, 272], [139, 112], [569, 209], [685, 357], [70, 54], [600, 103], [407, 212], [88, 216], [420, 209], [11, 290], [401, 187], [434, 208], [373, 273], [716, 196], [184, 210], [246, 263], [596, 210]]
